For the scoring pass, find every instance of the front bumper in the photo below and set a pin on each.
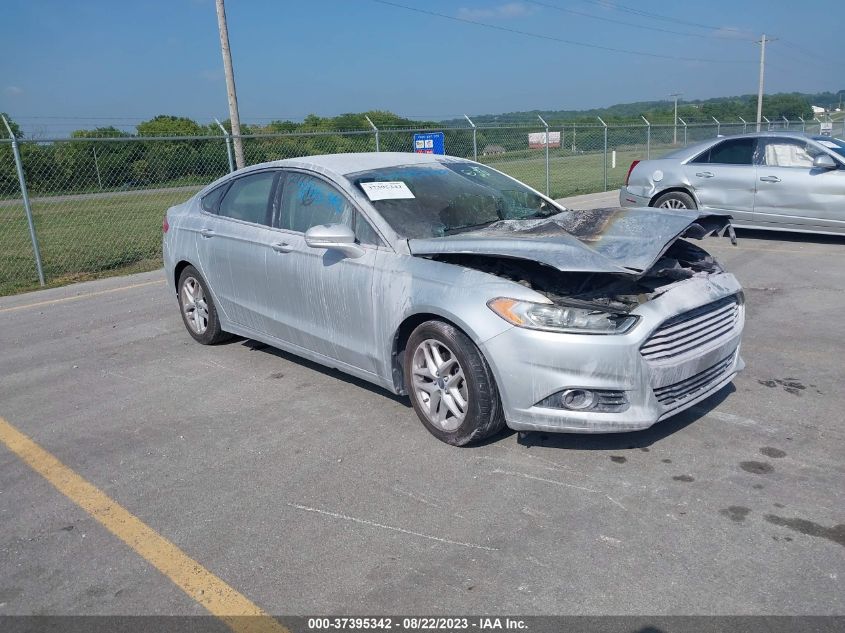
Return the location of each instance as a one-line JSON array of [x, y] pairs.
[[530, 365]]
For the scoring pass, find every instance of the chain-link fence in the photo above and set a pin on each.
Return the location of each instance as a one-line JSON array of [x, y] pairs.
[[96, 205]]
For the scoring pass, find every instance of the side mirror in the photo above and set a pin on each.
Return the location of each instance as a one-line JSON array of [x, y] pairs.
[[338, 237], [823, 161]]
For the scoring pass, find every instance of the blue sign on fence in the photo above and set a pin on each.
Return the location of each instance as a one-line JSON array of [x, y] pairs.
[[429, 143]]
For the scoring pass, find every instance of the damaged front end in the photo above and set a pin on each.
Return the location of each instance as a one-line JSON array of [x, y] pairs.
[[676, 317], [611, 260]]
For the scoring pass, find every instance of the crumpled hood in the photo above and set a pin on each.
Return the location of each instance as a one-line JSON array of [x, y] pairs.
[[612, 240]]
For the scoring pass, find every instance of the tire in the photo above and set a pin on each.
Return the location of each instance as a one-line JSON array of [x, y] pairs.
[[462, 376], [675, 200], [199, 314]]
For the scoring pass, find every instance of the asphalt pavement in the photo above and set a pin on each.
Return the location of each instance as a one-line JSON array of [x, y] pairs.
[[311, 493]]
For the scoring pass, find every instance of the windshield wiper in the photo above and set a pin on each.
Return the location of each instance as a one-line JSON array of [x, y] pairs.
[[466, 227]]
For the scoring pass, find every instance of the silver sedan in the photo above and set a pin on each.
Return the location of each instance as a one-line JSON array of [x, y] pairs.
[[770, 180], [483, 300]]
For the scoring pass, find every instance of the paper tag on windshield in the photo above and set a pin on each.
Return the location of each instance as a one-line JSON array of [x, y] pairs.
[[393, 190]]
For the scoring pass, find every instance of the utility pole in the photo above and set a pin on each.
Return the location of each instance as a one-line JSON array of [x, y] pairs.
[[675, 135], [230, 84], [762, 44]]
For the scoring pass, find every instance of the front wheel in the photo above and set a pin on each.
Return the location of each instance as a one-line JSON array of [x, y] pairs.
[[450, 385], [198, 310], [675, 200]]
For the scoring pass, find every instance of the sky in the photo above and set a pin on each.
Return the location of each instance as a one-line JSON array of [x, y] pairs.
[[67, 65]]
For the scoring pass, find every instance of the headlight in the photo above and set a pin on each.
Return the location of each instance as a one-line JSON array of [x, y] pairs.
[[555, 318]]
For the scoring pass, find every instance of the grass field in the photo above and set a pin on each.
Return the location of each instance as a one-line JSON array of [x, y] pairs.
[[82, 237], [569, 175], [91, 235]]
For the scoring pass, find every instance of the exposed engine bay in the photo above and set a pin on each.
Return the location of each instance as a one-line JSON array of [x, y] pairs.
[[605, 291]]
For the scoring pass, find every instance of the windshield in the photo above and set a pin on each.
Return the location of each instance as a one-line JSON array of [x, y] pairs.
[[447, 198], [835, 144]]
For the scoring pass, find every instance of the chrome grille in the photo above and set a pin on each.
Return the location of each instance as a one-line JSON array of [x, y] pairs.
[[675, 394], [701, 327]]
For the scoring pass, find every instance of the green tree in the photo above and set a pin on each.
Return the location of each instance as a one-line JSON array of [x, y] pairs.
[[168, 159], [166, 125], [16, 129]]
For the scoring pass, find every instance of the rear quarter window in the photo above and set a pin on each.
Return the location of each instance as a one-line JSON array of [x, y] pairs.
[[211, 201]]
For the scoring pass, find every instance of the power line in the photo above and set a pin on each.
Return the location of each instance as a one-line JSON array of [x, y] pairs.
[[629, 24], [552, 38], [654, 16], [740, 35], [83, 118], [810, 54]]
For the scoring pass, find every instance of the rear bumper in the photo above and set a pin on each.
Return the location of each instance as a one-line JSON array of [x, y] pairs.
[[630, 199], [530, 366]]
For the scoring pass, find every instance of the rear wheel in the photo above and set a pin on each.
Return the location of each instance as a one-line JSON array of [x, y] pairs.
[[198, 310], [675, 200], [450, 384]]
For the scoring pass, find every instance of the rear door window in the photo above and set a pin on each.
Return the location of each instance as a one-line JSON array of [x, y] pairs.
[[739, 151], [248, 198]]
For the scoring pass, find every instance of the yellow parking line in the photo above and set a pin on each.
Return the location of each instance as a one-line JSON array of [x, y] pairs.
[[195, 580], [82, 296]]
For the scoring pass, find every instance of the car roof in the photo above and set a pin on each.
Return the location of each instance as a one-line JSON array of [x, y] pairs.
[[343, 164]]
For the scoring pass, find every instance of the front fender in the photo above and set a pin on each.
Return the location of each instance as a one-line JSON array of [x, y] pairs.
[[408, 286]]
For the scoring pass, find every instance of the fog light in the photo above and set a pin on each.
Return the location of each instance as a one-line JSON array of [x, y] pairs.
[[579, 399]]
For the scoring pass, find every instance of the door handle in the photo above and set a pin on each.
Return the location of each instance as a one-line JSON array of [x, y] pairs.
[[705, 174], [207, 233], [770, 179], [281, 247]]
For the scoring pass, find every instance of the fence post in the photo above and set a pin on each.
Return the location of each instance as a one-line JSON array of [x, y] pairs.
[[228, 145], [685, 130], [768, 124], [803, 124], [718, 126], [375, 129], [546, 125], [744, 125], [25, 195], [786, 122], [605, 151], [97, 166], [647, 138], [474, 139]]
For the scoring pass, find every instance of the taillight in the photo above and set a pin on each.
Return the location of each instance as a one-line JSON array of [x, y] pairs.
[[165, 225], [630, 169]]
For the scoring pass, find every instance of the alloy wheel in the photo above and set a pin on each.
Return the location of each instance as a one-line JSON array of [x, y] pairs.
[[194, 305], [439, 384]]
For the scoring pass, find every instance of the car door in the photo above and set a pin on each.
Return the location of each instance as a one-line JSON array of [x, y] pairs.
[[235, 238], [723, 177], [324, 298], [791, 192]]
